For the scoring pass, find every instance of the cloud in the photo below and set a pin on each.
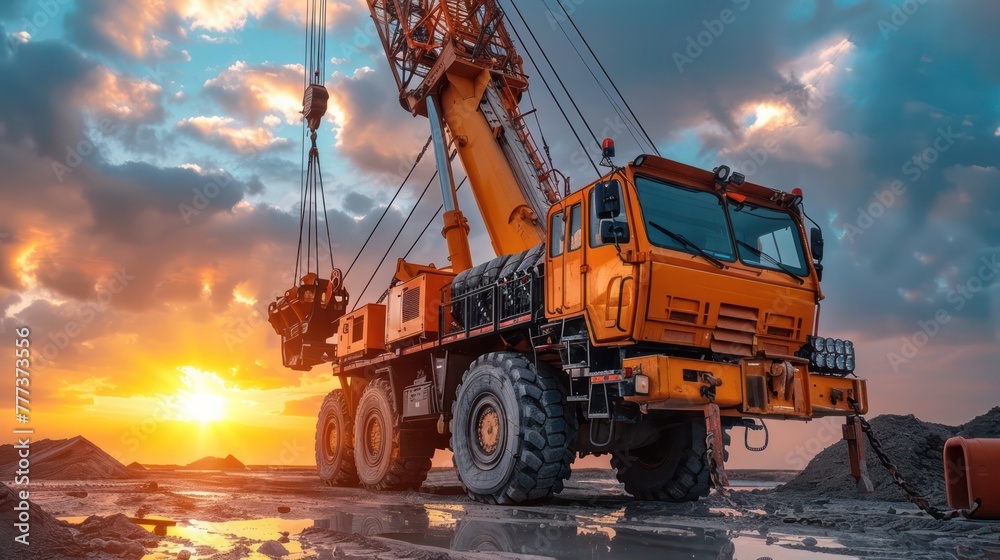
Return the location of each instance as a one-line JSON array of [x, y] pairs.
[[253, 92], [365, 109], [143, 30], [124, 99], [358, 204], [220, 132]]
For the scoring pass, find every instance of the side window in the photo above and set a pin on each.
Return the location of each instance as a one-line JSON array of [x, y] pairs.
[[595, 224], [557, 234], [575, 227]]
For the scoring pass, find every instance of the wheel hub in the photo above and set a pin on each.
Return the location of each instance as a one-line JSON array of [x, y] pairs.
[[488, 431], [332, 438], [373, 439]]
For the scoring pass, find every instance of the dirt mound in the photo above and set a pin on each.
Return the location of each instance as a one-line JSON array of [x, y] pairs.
[[230, 463], [64, 459], [985, 426], [95, 538], [135, 466], [914, 446]]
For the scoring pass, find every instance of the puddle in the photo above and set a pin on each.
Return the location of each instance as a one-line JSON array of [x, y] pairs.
[[223, 536], [594, 536], [200, 493]]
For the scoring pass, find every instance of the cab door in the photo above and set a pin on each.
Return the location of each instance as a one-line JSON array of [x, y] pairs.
[[573, 270], [555, 258], [611, 285], [564, 264]]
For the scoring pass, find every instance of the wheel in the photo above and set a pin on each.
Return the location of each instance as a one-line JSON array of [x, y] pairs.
[[377, 432], [335, 442], [475, 535], [512, 433], [671, 469]]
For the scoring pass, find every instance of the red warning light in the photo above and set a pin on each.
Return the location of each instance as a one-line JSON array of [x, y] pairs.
[[796, 192], [608, 148]]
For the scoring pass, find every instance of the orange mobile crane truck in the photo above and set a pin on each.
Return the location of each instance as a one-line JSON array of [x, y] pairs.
[[640, 316]]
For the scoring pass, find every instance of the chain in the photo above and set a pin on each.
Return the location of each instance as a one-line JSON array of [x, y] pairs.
[[713, 475], [911, 494]]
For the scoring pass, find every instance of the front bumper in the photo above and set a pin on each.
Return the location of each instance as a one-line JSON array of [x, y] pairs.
[[762, 387]]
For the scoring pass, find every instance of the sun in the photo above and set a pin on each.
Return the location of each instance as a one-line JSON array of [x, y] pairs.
[[202, 407]]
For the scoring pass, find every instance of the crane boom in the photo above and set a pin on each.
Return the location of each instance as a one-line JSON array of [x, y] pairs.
[[458, 54]]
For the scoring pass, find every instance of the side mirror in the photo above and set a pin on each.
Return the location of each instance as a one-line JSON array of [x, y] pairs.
[[614, 232], [608, 198], [816, 243]]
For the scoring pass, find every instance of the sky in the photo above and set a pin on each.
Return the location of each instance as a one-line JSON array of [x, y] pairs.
[[151, 157]]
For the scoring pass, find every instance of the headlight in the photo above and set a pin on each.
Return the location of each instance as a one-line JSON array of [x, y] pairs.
[[828, 355], [641, 384]]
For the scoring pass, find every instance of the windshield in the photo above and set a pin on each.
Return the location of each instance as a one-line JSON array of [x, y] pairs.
[[675, 216], [767, 238]]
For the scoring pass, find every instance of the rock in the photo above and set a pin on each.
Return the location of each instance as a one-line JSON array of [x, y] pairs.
[[150, 486], [76, 494], [809, 542], [892, 511], [284, 509], [184, 555], [274, 549]]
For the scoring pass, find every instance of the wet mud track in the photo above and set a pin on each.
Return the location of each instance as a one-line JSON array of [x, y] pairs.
[[226, 516]]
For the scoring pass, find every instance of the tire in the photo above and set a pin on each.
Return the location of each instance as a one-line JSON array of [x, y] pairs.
[[335, 442], [671, 469], [531, 258], [377, 433], [512, 433], [513, 263]]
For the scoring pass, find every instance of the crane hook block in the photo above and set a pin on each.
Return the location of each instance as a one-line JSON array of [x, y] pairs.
[[314, 105]]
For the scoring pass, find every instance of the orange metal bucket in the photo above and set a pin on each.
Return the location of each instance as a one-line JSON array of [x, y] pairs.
[[972, 474]]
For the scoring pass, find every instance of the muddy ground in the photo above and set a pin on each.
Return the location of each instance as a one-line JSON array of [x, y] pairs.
[[231, 515]]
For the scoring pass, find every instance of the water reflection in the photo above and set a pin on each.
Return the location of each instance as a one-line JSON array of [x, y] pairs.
[[561, 535]]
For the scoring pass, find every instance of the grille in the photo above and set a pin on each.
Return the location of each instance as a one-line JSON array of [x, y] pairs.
[[735, 330], [411, 305]]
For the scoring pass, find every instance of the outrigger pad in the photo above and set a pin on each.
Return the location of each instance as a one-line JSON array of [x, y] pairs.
[[306, 317]]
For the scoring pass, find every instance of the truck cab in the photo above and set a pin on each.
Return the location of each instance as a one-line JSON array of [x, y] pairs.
[[702, 286]]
